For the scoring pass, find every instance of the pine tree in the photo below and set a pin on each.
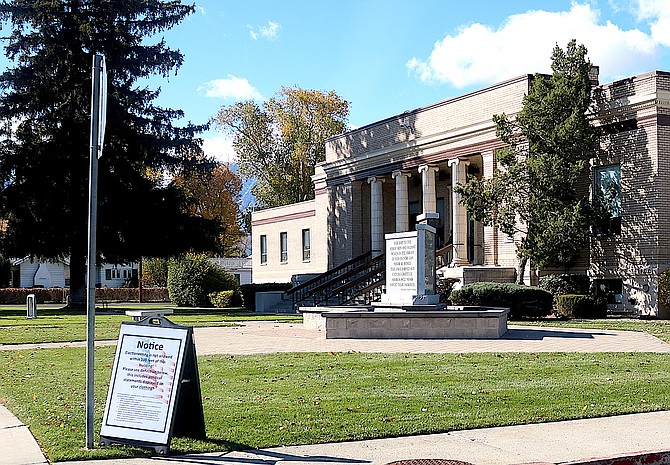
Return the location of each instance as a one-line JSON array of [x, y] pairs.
[[537, 193], [44, 137]]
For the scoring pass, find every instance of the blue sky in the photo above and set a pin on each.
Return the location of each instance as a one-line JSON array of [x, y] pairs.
[[389, 56]]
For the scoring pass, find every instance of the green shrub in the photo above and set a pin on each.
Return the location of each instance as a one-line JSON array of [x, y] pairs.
[[523, 301], [444, 286], [580, 306], [249, 291], [192, 278], [664, 288], [154, 272], [560, 284], [222, 299]]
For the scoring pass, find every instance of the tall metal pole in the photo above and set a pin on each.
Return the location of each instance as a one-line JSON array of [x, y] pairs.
[[91, 259]]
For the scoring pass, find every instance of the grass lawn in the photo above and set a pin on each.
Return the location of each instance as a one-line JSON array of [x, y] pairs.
[[282, 399], [63, 325]]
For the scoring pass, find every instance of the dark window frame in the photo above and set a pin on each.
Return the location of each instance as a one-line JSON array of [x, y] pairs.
[[264, 249], [306, 245], [283, 247]]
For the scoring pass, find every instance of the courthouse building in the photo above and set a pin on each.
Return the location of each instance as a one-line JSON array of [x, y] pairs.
[[377, 179]]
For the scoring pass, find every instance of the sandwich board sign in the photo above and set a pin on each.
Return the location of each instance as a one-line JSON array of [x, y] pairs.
[[154, 392]]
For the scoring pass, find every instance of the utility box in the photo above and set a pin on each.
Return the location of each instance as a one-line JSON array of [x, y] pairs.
[[31, 307]]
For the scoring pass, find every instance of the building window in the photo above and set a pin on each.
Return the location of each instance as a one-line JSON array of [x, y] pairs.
[[306, 245], [112, 273], [264, 249], [283, 246], [610, 289], [607, 196]]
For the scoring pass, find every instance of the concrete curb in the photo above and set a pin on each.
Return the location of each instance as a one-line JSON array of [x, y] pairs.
[[642, 458]]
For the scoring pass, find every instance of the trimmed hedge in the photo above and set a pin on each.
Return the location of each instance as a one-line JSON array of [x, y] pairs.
[[523, 301], [131, 294], [221, 299], [18, 295], [249, 291], [58, 295], [580, 306]]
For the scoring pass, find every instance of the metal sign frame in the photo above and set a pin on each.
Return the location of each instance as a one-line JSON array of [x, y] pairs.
[[154, 391]]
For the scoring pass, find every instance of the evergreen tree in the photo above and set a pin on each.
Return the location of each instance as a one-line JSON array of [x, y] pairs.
[[44, 138], [537, 193]]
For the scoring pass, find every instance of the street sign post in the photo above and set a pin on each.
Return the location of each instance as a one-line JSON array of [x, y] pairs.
[[98, 106]]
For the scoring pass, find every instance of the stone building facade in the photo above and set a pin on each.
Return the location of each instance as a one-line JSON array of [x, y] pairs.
[[377, 179]]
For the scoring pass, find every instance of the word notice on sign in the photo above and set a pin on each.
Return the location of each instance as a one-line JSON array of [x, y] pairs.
[[141, 395]]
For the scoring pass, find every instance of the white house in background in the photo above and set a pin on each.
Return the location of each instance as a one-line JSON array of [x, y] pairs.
[[238, 267], [27, 272]]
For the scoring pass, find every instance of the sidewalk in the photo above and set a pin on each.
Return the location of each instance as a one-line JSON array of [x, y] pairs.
[[553, 443], [547, 443]]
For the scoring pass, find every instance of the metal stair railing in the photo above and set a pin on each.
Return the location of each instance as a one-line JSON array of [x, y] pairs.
[[320, 289], [368, 287], [300, 293]]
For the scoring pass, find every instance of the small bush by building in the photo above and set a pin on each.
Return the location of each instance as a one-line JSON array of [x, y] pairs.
[[580, 306], [523, 301], [192, 278], [664, 289], [560, 284], [222, 299], [444, 286]]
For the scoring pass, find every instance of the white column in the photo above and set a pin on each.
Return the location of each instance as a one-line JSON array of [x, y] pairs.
[[428, 183], [401, 201], [376, 215], [459, 213]]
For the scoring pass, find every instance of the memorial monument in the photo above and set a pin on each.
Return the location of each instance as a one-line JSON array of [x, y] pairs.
[[410, 307], [410, 267]]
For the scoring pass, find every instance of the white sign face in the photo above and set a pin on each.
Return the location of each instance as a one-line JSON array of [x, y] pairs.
[[141, 395], [401, 264]]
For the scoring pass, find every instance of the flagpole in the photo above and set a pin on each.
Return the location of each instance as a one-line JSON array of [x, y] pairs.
[[95, 148]]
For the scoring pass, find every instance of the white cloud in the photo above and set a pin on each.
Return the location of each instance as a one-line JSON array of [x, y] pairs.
[[220, 148], [232, 88], [478, 54], [270, 32], [657, 13]]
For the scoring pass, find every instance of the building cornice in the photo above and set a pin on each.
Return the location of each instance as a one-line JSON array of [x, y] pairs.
[[402, 152]]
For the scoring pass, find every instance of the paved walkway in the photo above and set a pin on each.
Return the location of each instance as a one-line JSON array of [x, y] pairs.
[[547, 443], [268, 337]]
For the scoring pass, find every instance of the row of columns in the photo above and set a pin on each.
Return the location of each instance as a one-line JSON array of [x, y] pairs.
[[459, 214]]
